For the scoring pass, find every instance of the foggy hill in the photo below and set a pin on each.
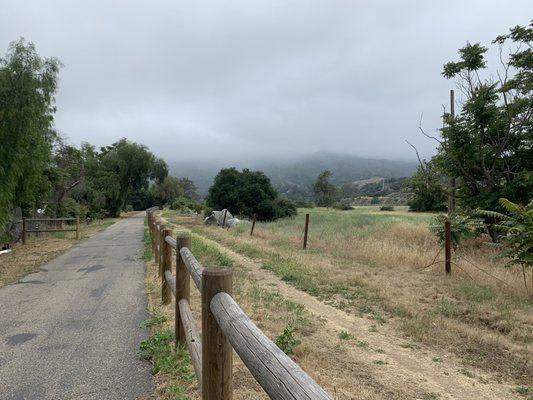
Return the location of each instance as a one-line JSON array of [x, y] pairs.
[[294, 178]]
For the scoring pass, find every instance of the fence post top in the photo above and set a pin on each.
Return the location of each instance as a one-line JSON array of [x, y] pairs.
[[216, 271], [183, 235]]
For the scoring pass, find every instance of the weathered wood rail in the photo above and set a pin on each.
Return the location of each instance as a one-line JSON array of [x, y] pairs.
[[225, 326], [48, 221]]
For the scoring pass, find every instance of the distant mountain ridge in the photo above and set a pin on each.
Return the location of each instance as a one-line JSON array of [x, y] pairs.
[[295, 178]]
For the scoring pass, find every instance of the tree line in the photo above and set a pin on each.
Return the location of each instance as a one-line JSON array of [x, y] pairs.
[[40, 171]]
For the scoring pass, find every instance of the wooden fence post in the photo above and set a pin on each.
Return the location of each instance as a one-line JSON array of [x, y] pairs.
[[253, 225], [224, 220], [160, 252], [23, 230], [152, 233], [448, 246], [305, 230], [217, 375], [166, 294], [183, 286], [156, 240], [78, 228]]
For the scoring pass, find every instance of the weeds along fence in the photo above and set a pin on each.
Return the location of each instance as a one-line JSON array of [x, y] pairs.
[[38, 225], [225, 326]]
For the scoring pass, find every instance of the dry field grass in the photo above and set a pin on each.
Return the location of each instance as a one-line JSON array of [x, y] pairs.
[[374, 323], [38, 250]]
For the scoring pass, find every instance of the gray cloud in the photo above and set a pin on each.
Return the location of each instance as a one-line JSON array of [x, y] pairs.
[[263, 77]]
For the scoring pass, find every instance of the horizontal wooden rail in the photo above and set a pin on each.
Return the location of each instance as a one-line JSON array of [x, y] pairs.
[[25, 229], [171, 241], [193, 266], [193, 341], [276, 372], [50, 219], [49, 230], [171, 281], [225, 326]]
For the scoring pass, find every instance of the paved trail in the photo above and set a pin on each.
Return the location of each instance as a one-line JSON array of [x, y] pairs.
[[71, 331]]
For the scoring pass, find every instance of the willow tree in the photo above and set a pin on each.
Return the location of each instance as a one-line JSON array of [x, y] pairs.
[[28, 84]]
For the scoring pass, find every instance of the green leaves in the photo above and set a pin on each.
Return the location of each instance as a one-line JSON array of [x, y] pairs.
[[247, 193], [28, 84], [472, 59], [325, 192], [286, 341]]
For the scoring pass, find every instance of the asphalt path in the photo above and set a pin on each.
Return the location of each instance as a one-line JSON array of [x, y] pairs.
[[72, 330]]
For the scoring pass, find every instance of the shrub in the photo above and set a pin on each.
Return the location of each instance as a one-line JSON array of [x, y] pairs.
[[343, 205], [304, 204], [184, 204], [71, 208], [386, 208], [462, 227], [286, 341], [517, 229], [284, 208]]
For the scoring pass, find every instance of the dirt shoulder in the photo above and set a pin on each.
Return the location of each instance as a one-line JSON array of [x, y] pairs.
[[25, 259]]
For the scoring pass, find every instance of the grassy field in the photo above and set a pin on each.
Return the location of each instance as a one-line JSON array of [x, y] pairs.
[[387, 309], [23, 259]]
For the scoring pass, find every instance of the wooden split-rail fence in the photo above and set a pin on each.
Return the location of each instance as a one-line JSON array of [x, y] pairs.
[[225, 326], [37, 225]]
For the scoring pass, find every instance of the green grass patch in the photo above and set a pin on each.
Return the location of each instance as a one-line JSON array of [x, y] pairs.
[[147, 253], [157, 318], [292, 272], [475, 292], [209, 255], [174, 362], [343, 335]]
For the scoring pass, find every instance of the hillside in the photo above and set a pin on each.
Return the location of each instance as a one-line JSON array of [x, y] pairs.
[[294, 178]]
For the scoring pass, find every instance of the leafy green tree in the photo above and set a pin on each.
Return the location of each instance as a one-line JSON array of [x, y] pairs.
[[119, 173], [65, 173], [171, 188], [28, 84], [325, 192], [247, 193], [488, 145], [426, 190], [189, 188]]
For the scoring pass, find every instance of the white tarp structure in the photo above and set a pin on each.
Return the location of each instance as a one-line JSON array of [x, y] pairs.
[[217, 218]]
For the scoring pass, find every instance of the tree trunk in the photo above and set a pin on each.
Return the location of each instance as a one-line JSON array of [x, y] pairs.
[[493, 233]]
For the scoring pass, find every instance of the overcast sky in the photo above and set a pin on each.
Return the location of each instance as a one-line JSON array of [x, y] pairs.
[[250, 78]]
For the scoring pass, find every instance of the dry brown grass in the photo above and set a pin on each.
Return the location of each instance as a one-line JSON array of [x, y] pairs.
[[24, 259], [382, 275], [377, 361]]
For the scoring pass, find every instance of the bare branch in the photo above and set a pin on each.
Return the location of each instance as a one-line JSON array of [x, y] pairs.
[[424, 133]]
